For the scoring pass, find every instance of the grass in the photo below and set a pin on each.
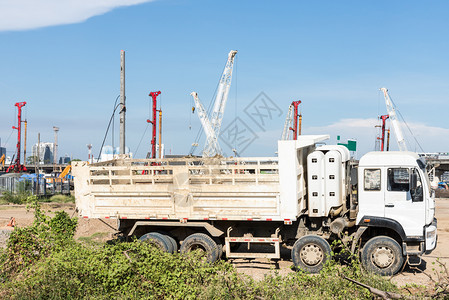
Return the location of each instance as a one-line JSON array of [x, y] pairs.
[[22, 198], [62, 198], [95, 239]]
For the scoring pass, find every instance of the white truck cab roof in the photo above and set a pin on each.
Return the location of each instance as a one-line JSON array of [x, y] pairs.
[[389, 158]]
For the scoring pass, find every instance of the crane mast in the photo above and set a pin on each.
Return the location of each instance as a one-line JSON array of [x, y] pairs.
[[292, 117], [288, 121], [394, 122], [222, 93], [212, 147]]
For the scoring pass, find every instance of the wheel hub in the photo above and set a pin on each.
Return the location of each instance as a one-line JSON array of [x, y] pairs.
[[311, 254], [383, 257]]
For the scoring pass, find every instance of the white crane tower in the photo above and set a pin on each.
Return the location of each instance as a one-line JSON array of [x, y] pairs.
[[212, 126], [287, 124], [394, 121]]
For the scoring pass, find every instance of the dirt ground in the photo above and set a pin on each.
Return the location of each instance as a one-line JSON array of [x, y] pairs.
[[257, 268]]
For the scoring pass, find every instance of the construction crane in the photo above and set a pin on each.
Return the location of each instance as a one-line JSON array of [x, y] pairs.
[[212, 146], [153, 96], [382, 137], [65, 172], [2, 161], [394, 122], [287, 124], [17, 166], [292, 117]]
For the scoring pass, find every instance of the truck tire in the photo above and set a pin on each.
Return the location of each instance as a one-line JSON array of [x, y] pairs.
[[159, 240], [382, 255], [173, 243], [310, 253], [203, 242]]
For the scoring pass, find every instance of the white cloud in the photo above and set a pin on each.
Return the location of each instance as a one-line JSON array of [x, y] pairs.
[[31, 14], [431, 138]]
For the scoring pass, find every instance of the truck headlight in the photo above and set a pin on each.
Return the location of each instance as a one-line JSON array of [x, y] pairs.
[[431, 234]]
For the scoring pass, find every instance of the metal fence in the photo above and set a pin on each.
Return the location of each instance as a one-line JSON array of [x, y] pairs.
[[40, 187]]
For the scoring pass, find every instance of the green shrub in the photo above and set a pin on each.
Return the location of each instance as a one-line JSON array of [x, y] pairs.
[[16, 198], [44, 262], [28, 245], [62, 198]]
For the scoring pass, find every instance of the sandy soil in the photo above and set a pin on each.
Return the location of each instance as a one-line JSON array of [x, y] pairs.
[[257, 268]]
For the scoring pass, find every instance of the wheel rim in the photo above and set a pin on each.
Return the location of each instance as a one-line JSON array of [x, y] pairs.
[[200, 250], [383, 257], [311, 254]]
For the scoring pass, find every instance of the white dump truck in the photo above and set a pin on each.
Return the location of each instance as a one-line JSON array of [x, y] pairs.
[[307, 197]]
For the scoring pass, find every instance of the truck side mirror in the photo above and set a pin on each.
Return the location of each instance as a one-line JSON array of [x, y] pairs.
[[413, 181], [354, 176]]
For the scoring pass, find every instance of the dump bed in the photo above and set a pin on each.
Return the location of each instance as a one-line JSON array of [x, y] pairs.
[[182, 188], [256, 188]]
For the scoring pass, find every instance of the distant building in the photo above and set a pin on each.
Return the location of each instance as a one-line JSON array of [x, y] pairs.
[[64, 160], [108, 153], [2, 151], [45, 152]]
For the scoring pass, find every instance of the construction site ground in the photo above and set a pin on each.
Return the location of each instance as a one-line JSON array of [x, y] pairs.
[[101, 230]]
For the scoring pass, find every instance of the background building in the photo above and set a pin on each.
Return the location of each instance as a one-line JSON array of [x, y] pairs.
[[46, 155], [64, 160]]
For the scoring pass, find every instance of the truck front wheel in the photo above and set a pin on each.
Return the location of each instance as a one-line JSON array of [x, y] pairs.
[[310, 253], [202, 242], [382, 255]]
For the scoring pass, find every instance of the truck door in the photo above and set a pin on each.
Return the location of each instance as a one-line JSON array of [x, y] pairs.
[[371, 201], [403, 205]]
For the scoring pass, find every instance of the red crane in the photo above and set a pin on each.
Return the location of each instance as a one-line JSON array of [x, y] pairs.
[[17, 166], [155, 110], [382, 139], [295, 120]]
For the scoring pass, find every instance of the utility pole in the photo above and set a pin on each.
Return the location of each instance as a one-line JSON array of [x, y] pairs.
[[55, 146], [122, 102]]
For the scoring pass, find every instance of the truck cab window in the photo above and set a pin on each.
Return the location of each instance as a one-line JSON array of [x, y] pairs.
[[398, 180], [417, 194], [372, 180]]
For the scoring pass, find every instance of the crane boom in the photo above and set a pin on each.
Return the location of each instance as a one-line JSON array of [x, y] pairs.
[[394, 121], [287, 124], [222, 94], [212, 124], [212, 147]]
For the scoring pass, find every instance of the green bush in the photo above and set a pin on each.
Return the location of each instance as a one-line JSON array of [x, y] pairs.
[[44, 262], [16, 198], [62, 198], [28, 245]]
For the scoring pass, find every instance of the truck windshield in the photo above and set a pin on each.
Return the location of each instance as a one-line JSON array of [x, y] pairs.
[[422, 165]]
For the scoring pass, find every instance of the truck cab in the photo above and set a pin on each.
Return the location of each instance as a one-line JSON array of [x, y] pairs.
[[397, 204]]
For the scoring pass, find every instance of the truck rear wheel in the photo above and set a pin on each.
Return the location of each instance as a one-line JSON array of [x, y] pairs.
[[382, 255], [310, 253], [159, 240], [203, 242], [172, 242]]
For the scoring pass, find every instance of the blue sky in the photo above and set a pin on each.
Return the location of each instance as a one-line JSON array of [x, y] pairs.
[[63, 59]]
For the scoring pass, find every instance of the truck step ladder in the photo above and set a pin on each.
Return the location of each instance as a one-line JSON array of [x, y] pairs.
[[274, 240], [255, 240]]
